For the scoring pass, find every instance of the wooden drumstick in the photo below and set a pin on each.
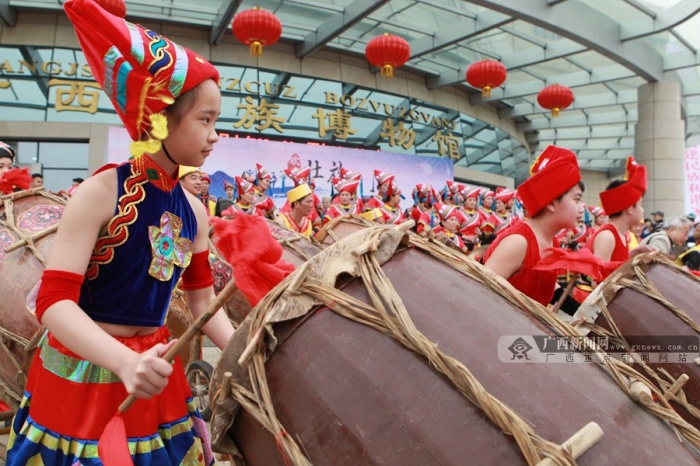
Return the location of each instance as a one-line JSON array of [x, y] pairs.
[[579, 443], [191, 332], [677, 385]]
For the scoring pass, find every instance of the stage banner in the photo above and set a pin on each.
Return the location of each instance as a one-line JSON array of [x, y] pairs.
[[234, 156], [692, 180]]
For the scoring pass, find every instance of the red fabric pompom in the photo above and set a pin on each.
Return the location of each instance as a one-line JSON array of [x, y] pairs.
[[15, 179], [582, 261], [248, 245]]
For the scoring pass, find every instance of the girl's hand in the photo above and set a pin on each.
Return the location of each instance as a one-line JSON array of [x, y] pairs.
[[146, 374]]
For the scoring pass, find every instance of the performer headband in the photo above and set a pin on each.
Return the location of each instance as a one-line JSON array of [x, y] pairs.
[[554, 172]]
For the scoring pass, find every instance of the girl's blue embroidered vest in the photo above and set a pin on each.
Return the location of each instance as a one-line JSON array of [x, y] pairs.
[[137, 263]]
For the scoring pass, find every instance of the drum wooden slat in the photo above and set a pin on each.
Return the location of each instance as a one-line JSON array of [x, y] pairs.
[[351, 395]]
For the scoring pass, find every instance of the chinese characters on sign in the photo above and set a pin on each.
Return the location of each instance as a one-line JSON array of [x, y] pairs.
[[692, 179]]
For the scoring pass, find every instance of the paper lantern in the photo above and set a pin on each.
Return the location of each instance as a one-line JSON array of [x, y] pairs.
[[555, 98], [388, 52], [257, 28], [485, 75]]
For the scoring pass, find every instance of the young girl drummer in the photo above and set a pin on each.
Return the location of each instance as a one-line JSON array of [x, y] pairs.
[[125, 239]]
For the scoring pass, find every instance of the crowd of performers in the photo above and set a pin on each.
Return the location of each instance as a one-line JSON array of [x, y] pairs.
[[464, 215], [469, 218]]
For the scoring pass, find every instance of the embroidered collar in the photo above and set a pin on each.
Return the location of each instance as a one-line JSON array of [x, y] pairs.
[[154, 172]]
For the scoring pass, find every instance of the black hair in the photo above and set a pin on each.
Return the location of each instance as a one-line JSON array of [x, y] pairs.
[[37, 175], [182, 104], [78, 180]]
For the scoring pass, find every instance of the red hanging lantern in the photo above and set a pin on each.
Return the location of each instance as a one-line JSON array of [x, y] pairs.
[[485, 75], [257, 28], [388, 52], [555, 98], [116, 7]]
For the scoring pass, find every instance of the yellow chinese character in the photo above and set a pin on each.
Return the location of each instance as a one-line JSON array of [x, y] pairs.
[[338, 122], [398, 134], [88, 95], [448, 144], [265, 115]]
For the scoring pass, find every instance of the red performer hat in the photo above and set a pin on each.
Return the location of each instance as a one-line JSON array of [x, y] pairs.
[[141, 71], [244, 186], [298, 175], [504, 195], [452, 186], [489, 194], [382, 177], [349, 175], [261, 172], [228, 184], [342, 185], [205, 177], [467, 191], [626, 195], [446, 211], [392, 190], [596, 211], [553, 173]]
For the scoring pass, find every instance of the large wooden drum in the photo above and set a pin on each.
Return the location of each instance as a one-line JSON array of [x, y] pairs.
[[647, 302], [28, 220], [384, 349]]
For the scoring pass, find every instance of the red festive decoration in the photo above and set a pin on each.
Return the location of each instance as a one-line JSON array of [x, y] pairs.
[[485, 75], [257, 28], [116, 7], [555, 98], [388, 52]]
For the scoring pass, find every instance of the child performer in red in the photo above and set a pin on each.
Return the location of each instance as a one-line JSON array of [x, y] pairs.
[[552, 201], [125, 239]]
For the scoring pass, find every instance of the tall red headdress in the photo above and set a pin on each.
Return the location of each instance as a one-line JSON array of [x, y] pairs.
[[553, 173], [141, 71], [626, 195]]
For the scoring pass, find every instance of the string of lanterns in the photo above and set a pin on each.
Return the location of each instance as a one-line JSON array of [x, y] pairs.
[[259, 28]]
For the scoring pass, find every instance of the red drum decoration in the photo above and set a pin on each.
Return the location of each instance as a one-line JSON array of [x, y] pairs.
[[257, 28], [555, 98], [485, 75], [116, 7], [388, 52]]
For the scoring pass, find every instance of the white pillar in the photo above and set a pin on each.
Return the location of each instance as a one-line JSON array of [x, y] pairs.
[[659, 140]]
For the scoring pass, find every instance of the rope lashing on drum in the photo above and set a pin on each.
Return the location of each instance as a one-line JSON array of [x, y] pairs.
[[621, 373], [11, 224], [641, 284]]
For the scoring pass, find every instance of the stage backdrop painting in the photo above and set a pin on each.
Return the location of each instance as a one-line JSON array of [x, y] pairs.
[[233, 156]]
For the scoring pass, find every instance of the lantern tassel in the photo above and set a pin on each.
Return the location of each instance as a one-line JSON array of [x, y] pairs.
[[555, 112], [256, 48], [486, 91], [388, 71]]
